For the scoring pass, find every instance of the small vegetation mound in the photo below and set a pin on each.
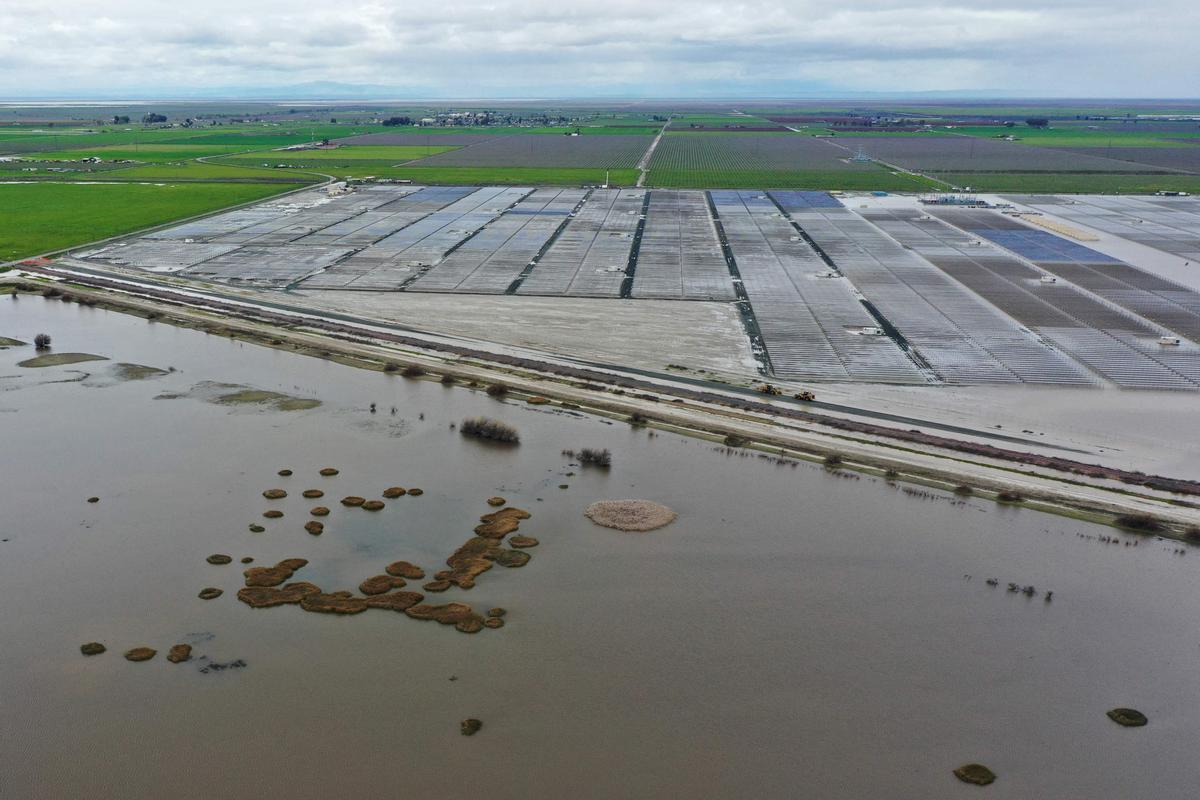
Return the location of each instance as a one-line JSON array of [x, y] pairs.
[[496, 501], [497, 390], [1010, 497], [596, 456], [92, 648], [447, 379], [405, 569], [219, 558], [490, 429], [630, 515], [416, 492], [140, 654], [335, 603], [470, 727], [320, 511], [273, 513], [314, 527], [42, 341], [373, 505], [833, 460], [266, 597], [1192, 534], [210, 593], [312, 494], [733, 440], [962, 490], [284, 473], [59, 360], [393, 492], [1128, 717], [274, 494], [395, 601], [977, 774], [179, 653], [379, 584], [1141, 523], [329, 472], [353, 500], [523, 541], [413, 371]]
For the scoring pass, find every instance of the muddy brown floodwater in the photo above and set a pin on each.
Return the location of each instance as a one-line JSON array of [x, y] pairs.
[[796, 631]]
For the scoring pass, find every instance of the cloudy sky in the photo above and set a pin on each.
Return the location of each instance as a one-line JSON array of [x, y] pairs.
[[512, 48]]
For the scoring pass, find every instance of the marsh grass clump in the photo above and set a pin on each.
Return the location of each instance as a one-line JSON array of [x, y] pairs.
[[413, 371], [1140, 523], [962, 490], [42, 341], [492, 429], [833, 461], [733, 440], [596, 456], [977, 774], [448, 379], [1010, 497], [638, 419], [497, 390]]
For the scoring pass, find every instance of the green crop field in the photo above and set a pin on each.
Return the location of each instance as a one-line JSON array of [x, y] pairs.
[[1051, 182], [1132, 135], [521, 176], [40, 217], [717, 178], [205, 171], [392, 154], [146, 153]]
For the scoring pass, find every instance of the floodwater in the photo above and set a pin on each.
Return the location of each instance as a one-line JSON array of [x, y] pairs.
[[793, 634]]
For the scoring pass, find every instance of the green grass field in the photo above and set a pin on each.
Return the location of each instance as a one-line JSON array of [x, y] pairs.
[[1050, 182], [204, 171], [521, 176], [1142, 135], [40, 217], [146, 153], [392, 154], [866, 180]]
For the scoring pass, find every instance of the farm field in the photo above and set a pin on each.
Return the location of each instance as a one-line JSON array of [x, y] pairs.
[[792, 161], [204, 170], [604, 152], [1185, 158], [1080, 135], [967, 154], [1086, 183], [40, 217], [521, 176]]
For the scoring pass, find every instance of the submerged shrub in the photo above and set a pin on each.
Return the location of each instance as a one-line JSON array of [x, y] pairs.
[[413, 371], [492, 429], [600, 457], [42, 341], [963, 490], [1142, 523], [447, 379], [833, 460], [1010, 497], [637, 418], [497, 390], [733, 440]]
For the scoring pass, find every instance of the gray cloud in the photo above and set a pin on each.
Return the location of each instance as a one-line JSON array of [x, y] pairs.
[[584, 47]]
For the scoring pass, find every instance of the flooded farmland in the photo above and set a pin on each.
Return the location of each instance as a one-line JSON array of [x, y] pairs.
[[796, 631]]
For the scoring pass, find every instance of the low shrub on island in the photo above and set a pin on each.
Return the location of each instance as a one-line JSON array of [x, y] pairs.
[[491, 429]]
